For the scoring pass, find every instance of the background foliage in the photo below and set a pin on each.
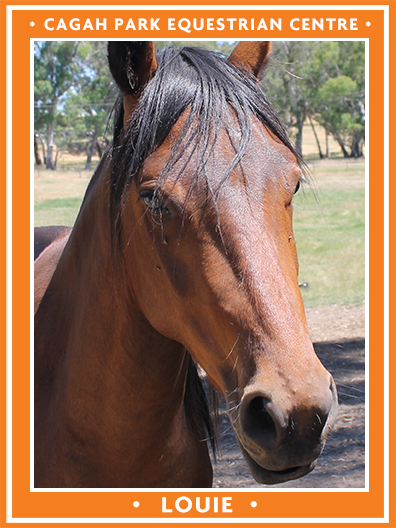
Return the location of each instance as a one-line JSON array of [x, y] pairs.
[[316, 82]]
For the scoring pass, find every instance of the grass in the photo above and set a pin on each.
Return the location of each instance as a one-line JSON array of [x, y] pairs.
[[57, 211], [330, 242], [58, 196], [329, 225]]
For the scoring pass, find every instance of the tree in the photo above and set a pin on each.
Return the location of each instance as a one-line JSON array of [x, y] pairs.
[[72, 95], [37, 156], [353, 65], [287, 87], [315, 81], [323, 64], [324, 82], [338, 104], [87, 108], [54, 74]]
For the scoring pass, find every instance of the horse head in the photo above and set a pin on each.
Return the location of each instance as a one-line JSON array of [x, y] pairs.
[[203, 178]]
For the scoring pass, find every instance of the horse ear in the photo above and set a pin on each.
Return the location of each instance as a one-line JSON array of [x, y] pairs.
[[251, 56], [132, 65]]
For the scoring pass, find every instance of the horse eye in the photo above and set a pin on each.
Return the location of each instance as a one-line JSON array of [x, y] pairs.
[[298, 187], [154, 203]]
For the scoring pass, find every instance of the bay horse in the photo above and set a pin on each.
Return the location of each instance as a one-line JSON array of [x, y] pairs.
[[182, 254]]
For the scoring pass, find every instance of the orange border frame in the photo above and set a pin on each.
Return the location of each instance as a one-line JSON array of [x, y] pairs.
[[325, 505]]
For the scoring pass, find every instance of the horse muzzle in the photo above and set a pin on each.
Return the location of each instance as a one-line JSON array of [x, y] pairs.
[[282, 438]]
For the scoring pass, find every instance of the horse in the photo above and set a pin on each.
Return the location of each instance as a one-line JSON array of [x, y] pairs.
[[182, 255], [44, 236]]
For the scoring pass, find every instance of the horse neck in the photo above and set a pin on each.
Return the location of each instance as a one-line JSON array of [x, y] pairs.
[[100, 366]]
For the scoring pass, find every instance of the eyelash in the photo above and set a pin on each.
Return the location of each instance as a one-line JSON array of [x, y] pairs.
[[154, 203]]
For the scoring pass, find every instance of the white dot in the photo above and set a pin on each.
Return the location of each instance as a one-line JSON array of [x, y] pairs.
[[368, 23], [136, 504], [253, 504], [32, 24]]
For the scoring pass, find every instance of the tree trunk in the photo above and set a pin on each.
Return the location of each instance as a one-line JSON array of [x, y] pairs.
[[50, 136], [37, 156], [328, 151], [298, 112], [299, 137], [357, 147], [57, 152], [321, 155], [342, 145], [99, 149], [50, 146], [42, 142], [90, 148]]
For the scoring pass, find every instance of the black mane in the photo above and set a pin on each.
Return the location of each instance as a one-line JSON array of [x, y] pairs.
[[206, 83]]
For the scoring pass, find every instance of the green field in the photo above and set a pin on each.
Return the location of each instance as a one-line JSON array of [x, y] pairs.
[[329, 218], [329, 226]]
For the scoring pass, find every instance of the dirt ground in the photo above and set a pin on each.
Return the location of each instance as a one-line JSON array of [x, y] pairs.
[[338, 336]]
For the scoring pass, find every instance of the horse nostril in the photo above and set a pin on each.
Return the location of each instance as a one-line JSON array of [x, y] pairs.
[[257, 421]]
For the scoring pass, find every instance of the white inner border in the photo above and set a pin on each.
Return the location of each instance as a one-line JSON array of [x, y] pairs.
[[10, 9]]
